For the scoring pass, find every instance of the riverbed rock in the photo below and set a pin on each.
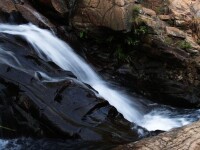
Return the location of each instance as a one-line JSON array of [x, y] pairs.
[[149, 12]]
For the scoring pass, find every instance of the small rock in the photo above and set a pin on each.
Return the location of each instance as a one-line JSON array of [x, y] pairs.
[[148, 12], [172, 31], [165, 17]]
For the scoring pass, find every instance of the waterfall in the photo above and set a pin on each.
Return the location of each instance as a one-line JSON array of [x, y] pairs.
[[49, 47]]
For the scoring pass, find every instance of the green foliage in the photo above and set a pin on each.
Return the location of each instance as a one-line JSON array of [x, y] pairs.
[[83, 34], [124, 45], [131, 41], [136, 10], [136, 20], [121, 56], [120, 45], [184, 45], [141, 30], [119, 53], [110, 38]]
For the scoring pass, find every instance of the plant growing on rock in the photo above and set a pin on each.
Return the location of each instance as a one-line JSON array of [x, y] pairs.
[[122, 56], [184, 45], [136, 10], [136, 20], [83, 34]]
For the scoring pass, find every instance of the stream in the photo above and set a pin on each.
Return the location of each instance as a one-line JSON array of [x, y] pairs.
[[48, 47]]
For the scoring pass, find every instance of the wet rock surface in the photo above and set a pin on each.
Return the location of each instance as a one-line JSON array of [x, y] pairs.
[[38, 99]]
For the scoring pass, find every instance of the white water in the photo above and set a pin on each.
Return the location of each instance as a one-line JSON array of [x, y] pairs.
[[49, 47], [3, 143]]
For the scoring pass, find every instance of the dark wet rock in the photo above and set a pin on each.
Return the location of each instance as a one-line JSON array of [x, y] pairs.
[[23, 11], [162, 73], [58, 11], [59, 5], [165, 74], [52, 144], [60, 106]]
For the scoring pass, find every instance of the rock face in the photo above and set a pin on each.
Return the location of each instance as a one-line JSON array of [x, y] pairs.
[[114, 14], [186, 138], [184, 11], [186, 14], [169, 59]]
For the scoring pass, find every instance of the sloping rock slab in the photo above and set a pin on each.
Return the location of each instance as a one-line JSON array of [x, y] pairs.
[[32, 104], [185, 138]]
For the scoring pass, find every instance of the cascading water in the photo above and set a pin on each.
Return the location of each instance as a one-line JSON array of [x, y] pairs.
[[49, 47]]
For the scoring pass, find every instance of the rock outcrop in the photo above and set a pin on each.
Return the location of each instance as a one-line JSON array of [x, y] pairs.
[[169, 59], [113, 14], [185, 138]]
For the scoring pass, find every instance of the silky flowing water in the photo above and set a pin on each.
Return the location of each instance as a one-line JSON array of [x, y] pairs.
[[50, 48]]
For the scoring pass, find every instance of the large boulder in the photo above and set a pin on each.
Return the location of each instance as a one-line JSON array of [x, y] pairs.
[[113, 14]]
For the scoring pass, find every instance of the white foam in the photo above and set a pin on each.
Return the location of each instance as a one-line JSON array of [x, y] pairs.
[[159, 122], [3, 144]]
